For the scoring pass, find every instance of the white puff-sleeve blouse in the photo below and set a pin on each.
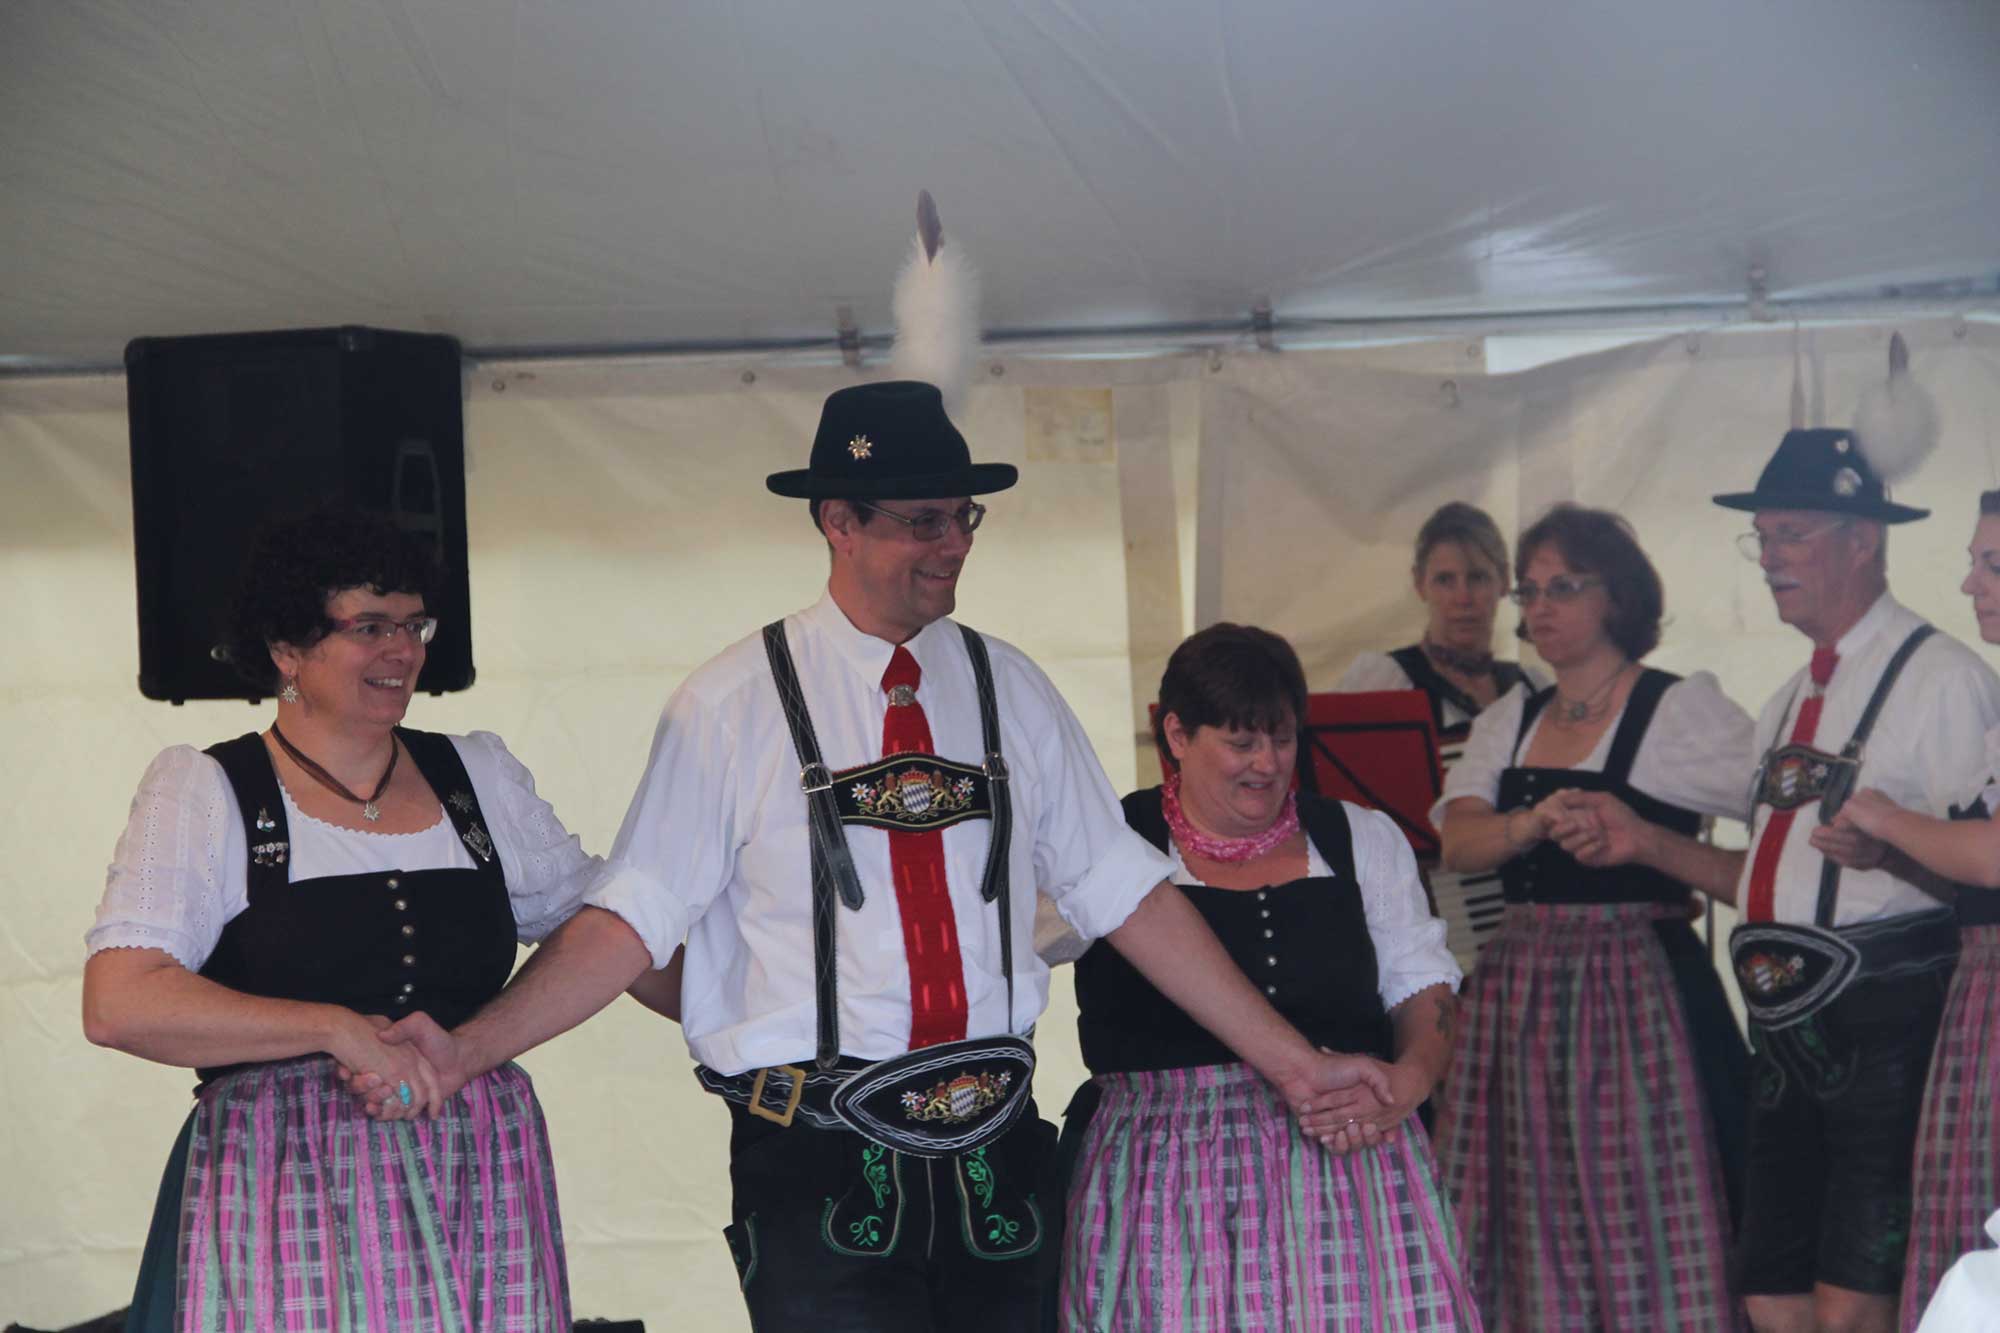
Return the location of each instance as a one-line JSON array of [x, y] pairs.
[[181, 872]]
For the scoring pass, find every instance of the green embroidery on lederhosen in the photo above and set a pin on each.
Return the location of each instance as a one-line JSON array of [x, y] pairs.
[[994, 1225], [867, 1220]]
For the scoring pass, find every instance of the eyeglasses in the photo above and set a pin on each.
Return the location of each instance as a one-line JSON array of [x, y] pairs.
[[928, 525], [1562, 588], [1753, 544], [376, 630]]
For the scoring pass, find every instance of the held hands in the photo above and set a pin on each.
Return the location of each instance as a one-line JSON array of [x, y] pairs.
[[1598, 829], [1529, 825], [1353, 1101], [372, 1068], [441, 1052], [1849, 840], [1869, 811]]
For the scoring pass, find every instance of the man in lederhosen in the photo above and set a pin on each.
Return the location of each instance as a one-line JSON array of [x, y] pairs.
[[847, 817], [1843, 952]]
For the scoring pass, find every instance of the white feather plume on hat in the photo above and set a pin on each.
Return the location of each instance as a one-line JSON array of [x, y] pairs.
[[1896, 426], [937, 311]]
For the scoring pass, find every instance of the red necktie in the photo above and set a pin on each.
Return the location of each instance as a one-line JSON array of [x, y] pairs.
[[916, 861], [1771, 845]]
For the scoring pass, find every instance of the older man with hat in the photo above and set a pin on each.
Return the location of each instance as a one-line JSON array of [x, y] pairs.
[[1844, 952], [847, 816]]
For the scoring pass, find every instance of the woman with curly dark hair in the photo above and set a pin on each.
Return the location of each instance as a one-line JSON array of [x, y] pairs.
[[1578, 1131], [275, 900]]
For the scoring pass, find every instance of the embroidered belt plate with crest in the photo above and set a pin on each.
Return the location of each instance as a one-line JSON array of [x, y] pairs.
[[1789, 973], [1796, 775], [912, 793]]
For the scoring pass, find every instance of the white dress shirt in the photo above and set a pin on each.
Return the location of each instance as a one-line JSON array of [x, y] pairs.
[[715, 849], [1924, 754], [1697, 752], [181, 870]]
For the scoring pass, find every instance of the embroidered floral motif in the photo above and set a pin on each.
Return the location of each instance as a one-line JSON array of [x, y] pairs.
[[958, 1099], [1001, 1230], [875, 1172], [980, 1172], [866, 1233]]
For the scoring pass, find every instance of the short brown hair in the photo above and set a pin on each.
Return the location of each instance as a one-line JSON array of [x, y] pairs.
[[1597, 541], [1233, 676]]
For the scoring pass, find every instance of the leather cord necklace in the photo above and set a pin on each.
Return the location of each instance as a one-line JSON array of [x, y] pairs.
[[369, 810], [1574, 711]]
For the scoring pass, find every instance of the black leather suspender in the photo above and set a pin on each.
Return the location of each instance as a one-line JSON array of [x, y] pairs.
[[1850, 767], [834, 877]]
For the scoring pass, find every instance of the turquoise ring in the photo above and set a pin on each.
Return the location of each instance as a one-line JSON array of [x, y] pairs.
[[403, 1093]]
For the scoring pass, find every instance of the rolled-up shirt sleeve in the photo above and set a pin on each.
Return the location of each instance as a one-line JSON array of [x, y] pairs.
[[1088, 861], [676, 850]]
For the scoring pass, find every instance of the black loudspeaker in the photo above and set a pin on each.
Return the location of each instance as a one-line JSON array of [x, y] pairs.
[[228, 429]]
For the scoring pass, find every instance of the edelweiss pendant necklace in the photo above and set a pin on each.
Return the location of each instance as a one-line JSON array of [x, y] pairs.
[[369, 810]]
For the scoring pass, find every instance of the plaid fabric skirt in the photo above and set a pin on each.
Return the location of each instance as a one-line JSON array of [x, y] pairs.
[[1574, 1135], [1956, 1180], [299, 1214], [1197, 1206]]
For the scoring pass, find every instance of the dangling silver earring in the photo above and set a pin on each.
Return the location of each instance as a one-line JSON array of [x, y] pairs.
[[290, 693]]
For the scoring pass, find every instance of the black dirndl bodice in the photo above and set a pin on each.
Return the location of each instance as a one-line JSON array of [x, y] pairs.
[[1305, 944], [394, 942], [1546, 873]]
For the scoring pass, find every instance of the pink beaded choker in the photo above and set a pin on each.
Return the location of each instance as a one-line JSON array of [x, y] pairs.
[[1192, 840]]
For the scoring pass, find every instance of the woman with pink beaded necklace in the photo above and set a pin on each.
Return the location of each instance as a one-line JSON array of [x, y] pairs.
[[1197, 1202]]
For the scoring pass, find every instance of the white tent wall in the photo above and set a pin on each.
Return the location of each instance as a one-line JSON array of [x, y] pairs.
[[620, 534]]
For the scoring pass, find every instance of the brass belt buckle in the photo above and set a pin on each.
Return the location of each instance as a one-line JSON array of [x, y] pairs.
[[757, 1107]]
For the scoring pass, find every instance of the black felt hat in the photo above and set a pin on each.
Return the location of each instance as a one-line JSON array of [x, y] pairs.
[[890, 441], [1822, 470]]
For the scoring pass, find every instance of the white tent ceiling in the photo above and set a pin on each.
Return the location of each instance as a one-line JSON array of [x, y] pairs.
[[632, 173]]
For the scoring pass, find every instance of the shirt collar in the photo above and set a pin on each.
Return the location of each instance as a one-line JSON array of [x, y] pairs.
[[866, 654], [1871, 623]]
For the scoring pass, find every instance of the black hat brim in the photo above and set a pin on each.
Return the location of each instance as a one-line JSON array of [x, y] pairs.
[[977, 479], [1882, 511]]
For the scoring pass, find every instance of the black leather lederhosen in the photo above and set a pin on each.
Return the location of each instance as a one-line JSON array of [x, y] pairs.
[[1548, 874]]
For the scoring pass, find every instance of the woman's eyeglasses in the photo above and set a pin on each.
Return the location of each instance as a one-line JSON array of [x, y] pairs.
[[1562, 588], [377, 630]]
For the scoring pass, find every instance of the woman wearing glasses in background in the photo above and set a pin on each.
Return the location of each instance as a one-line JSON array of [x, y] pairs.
[[277, 898], [1577, 1133]]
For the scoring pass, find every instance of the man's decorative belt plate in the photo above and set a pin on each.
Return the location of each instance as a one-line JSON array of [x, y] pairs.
[[912, 793], [1795, 775], [1789, 972], [957, 1100], [943, 1099]]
